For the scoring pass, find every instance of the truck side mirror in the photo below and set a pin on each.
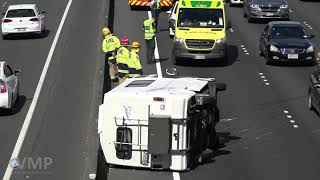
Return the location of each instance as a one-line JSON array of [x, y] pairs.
[[221, 86]]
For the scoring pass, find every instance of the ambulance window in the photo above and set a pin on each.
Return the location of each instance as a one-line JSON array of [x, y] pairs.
[[140, 83], [124, 135]]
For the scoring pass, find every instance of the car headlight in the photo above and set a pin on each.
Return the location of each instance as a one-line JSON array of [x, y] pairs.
[[179, 40], [254, 5], [284, 6], [310, 49], [221, 41], [274, 49]]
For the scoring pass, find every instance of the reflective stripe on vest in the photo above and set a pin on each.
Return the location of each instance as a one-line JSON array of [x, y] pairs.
[[148, 29], [123, 59]]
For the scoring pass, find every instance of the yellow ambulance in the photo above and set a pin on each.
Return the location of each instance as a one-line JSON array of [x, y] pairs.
[[200, 31]]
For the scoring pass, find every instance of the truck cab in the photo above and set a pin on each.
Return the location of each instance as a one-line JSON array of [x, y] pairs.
[[200, 31], [158, 123]]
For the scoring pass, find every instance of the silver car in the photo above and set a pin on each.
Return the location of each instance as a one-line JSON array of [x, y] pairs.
[[9, 87], [266, 9]]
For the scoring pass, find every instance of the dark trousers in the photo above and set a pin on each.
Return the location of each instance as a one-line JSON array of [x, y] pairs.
[[155, 14], [151, 45]]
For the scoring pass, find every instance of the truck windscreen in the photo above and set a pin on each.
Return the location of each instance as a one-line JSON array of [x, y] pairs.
[[200, 18]]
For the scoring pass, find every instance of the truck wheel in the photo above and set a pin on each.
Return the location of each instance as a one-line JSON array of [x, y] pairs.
[[102, 166], [174, 59]]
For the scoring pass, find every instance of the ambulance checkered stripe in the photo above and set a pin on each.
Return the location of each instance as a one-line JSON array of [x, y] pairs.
[[144, 3]]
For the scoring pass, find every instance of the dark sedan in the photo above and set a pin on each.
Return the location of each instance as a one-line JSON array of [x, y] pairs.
[[265, 9], [314, 91], [286, 41]]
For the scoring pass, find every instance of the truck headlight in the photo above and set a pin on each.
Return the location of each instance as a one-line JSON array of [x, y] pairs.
[[255, 6], [310, 49], [274, 49], [220, 41], [284, 6], [178, 40]]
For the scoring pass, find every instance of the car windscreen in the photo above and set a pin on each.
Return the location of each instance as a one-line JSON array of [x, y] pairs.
[[14, 13], [200, 17], [288, 32]]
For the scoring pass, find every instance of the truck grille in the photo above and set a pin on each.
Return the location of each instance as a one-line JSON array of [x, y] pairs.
[[292, 51], [199, 44], [266, 8]]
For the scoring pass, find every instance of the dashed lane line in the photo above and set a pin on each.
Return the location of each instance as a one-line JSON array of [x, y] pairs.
[[156, 53], [264, 78], [176, 176], [4, 4], [289, 117], [32, 107]]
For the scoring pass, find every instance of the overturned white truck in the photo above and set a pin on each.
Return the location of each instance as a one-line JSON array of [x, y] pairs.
[[158, 123]]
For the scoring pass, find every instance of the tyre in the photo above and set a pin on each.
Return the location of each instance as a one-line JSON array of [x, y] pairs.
[[12, 108], [250, 19], [245, 14], [4, 37], [174, 59], [213, 137], [310, 102]]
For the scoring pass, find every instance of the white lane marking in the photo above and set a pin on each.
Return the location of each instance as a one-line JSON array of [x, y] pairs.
[[289, 116], [242, 45], [260, 73], [156, 53], [267, 84], [290, 10], [295, 126], [285, 111], [247, 53], [32, 107], [4, 4], [265, 80], [292, 121], [231, 30], [263, 77], [176, 176], [92, 176]]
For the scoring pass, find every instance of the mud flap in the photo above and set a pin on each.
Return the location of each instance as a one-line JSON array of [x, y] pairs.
[[159, 141]]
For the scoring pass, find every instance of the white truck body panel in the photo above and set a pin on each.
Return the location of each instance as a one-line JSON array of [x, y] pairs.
[[137, 103]]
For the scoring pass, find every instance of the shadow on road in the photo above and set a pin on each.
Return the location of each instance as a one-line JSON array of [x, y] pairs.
[[28, 36]]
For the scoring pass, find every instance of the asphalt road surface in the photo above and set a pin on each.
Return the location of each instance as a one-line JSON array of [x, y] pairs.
[[266, 127]]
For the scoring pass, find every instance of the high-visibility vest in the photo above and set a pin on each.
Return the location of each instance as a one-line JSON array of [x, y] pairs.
[[156, 5], [134, 65], [123, 57], [110, 43], [148, 29]]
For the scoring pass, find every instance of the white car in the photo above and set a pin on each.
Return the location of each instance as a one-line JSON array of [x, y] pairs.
[[9, 86], [172, 18], [235, 2], [23, 18]]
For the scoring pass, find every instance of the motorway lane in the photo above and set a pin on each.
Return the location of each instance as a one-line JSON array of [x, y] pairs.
[[28, 55], [256, 132], [64, 126], [263, 136]]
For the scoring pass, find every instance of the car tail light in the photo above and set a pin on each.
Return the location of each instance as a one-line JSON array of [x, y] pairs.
[[34, 19], [7, 20], [3, 88]]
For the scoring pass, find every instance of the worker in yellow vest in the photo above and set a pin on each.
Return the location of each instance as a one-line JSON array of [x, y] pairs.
[[135, 68], [155, 11], [123, 57], [149, 36], [110, 44]]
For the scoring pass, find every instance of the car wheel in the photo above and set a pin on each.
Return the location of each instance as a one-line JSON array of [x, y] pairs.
[[12, 109], [250, 19], [4, 37], [174, 59], [245, 14], [310, 102]]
